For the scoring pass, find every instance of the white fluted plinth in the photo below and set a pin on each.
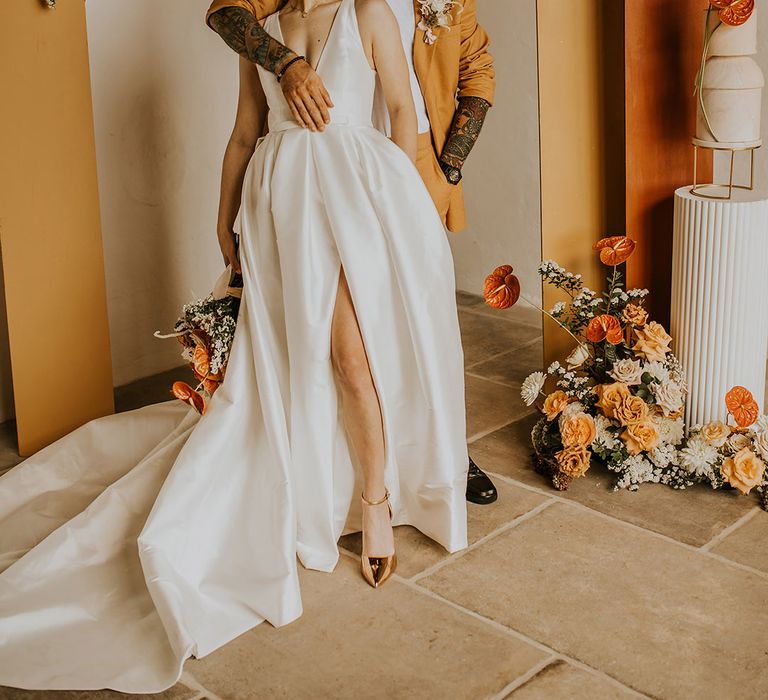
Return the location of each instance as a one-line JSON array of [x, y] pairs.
[[719, 310]]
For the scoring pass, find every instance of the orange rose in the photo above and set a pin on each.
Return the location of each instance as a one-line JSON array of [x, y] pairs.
[[632, 409], [573, 460], [554, 403], [640, 437], [634, 314], [652, 342], [610, 397], [744, 470], [578, 429]]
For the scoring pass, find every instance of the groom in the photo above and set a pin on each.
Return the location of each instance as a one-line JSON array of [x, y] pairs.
[[452, 78]]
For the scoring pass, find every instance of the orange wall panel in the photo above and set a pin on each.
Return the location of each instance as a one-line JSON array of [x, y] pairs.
[[663, 43], [52, 257]]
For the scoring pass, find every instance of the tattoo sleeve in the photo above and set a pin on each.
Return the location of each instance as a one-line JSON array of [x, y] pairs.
[[467, 124], [242, 33]]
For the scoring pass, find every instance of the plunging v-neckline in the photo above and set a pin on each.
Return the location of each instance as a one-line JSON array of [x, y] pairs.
[[320, 58]]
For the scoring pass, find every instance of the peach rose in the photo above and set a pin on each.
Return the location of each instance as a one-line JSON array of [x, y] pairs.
[[652, 342], [573, 460], [554, 403], [634, 314], [744, 470], [640, 437], [578, 429], [715, 433], [610, 397], [632, 409]]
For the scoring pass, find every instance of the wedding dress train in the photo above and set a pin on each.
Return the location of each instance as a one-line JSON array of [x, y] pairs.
[[145, 537]]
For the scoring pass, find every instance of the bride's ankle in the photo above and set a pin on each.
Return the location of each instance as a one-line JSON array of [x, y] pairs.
[[375, 496]]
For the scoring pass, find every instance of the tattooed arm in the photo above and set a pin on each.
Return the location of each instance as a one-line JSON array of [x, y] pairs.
[[467, 124], [303, 89], [476, 90]]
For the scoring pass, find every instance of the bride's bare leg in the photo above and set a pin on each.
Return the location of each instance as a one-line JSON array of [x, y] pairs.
[[362, 417]]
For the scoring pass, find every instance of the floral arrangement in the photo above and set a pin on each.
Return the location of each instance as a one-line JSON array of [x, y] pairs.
[[620, 397], [436, 14], [206, 330]]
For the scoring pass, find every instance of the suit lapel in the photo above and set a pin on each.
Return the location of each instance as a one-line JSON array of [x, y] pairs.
[[423, 53]]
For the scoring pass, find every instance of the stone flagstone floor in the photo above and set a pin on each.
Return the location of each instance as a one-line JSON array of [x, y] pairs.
[[584, 595]]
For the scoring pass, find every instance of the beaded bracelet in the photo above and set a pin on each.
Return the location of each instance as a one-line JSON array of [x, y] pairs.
[[288, 65]]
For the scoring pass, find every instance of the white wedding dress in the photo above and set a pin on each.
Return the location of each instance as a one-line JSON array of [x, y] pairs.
[[142, 538]]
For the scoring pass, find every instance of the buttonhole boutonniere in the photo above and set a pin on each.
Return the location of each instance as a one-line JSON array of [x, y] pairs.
[[436, 14]]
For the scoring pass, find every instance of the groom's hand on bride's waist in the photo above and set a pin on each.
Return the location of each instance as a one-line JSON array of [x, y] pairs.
[[303, 89], [306, 95]]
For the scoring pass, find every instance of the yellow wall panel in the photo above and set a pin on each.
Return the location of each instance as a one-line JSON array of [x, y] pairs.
[[582, 156], [49, 223]]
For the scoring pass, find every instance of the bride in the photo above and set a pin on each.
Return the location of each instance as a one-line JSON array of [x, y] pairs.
[[146, 537]]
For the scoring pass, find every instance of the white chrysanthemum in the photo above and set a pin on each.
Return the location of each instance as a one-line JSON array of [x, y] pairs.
[[532, 387], [697, 457], [671, 431], [657, 370], [602, 435]]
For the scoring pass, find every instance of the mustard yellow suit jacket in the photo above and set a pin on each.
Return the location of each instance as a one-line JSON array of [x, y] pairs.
[[457, 65]]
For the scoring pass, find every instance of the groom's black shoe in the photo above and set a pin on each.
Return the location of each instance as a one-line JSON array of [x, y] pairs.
[[480, 488]]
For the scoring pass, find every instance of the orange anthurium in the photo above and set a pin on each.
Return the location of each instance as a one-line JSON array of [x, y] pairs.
[[615, 249], [502, 288], [742, 406], [201, 360], [185, 393], [734, 12], [605, 327]]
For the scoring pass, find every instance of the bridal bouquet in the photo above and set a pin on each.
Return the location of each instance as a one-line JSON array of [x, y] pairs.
[[205, 330], [621, 393]]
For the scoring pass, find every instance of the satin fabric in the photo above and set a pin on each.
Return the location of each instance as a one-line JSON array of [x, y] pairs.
[[146, 537]]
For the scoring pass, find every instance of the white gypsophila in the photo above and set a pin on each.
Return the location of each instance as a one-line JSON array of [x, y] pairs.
[[557, 308], [604, 436], [627, 371], [698, 457], [738, 441], [671, 430], [637, 293], [760, 442], [635, 470], [553, 367], [578, 357], [532, 387], [668, 395], [657, 370], [663, 455]]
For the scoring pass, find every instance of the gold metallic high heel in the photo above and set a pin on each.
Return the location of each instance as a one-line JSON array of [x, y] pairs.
[[376, 570]]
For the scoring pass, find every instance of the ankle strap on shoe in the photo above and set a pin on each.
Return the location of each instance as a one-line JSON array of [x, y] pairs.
[[375, 503]]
